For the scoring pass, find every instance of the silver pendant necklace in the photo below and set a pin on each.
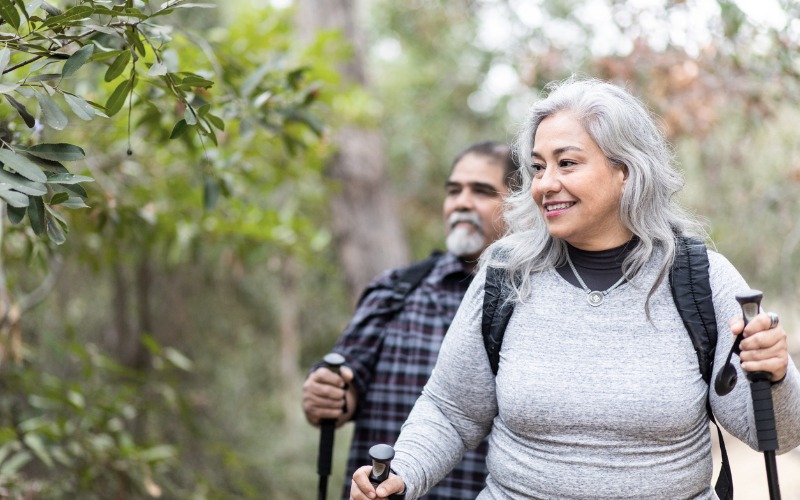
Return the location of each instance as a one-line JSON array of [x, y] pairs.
[[594, 297]]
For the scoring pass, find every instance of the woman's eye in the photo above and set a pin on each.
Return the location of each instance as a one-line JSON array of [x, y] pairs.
[[566, 163], [537, 169]]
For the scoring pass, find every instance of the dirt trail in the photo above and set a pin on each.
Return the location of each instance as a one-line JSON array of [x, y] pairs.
[[747, 466], [749, 471]]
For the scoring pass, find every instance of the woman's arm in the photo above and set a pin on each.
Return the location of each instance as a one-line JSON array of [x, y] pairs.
[[457, 405], [764, 349]]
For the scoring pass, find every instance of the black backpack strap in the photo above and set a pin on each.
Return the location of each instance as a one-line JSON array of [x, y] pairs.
[[497, 311], [408, 280], [413, 275], [691, 290]]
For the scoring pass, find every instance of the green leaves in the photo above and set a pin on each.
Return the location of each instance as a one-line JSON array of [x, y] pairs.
[[34, 169], [56, 152], [80, 107], [22, 165], [22, 185], [71, 16], [77, 59], [29, 120], [52, 114], [118, 66], [8, 11], [117, 99]]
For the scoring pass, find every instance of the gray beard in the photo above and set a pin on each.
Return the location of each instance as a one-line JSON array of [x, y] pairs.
[[463, 241]]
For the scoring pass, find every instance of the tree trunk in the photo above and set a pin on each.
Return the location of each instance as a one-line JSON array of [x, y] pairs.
[[289, 325], [127, 296], [366, 225]]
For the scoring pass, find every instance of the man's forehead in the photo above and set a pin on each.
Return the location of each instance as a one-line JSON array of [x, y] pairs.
[[478, 168]]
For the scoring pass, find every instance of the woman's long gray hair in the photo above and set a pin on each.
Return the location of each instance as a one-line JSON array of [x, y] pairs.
[[628, 136]]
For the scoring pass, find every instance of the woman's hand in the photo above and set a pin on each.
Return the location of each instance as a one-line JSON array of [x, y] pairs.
[[763, 348], [361, 488]]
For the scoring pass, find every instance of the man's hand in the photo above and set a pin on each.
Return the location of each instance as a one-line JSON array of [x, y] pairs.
[[327, 394]]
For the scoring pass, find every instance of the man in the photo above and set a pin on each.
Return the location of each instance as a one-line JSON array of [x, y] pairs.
[[389, 354]]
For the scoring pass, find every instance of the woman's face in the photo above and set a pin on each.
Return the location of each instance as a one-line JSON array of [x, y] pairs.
[[575, 186]]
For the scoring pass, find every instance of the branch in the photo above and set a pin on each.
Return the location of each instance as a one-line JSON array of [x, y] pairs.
[[35, 297]]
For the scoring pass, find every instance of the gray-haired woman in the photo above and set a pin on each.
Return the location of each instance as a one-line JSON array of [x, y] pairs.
[[598, 398]]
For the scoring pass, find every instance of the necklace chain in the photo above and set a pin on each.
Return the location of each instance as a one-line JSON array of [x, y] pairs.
[[594, 297]]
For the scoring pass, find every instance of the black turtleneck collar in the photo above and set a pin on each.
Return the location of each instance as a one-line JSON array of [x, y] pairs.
[[600, 269]]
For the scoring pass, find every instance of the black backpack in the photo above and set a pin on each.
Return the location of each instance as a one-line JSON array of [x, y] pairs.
[[407, 281], [691, 291]]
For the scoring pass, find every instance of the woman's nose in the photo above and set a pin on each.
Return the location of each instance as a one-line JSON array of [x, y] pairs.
[[549, 182]]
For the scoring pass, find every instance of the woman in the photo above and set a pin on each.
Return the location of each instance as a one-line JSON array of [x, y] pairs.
[[598, 395]]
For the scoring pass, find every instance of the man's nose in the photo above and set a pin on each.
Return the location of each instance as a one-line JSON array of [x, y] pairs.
[[465, 200]]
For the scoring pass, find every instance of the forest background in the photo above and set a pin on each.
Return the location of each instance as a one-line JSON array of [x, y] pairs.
[[239, 170]]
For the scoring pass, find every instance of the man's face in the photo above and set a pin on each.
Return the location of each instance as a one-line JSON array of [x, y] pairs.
[[473, 206]]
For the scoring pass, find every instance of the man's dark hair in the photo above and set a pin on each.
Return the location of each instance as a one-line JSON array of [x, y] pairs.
[[498, 151]]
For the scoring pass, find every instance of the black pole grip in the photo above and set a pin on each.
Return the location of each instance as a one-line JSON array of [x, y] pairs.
[[327, 429], [382, 455], [325, 458], [761, 391]]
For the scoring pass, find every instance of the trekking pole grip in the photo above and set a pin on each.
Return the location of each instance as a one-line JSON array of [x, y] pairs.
[[332, 361], [766, 429], [382, 455], [761, 391]]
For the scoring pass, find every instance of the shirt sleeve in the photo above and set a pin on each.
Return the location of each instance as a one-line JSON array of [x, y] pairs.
[[734, 411], [457, 405], [362, 339]]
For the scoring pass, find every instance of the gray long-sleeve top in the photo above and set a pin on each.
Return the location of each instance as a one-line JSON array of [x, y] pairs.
[[589, 402]]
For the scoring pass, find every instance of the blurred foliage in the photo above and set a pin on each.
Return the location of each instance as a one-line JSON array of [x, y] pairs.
[[83, 433]]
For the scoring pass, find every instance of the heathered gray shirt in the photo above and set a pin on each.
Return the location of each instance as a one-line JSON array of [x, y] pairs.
[[589, 402]]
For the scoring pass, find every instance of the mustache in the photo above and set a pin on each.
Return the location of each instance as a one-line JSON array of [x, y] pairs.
[[470, 217]]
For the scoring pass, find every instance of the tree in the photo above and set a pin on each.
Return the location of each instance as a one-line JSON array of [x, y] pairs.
[[120, 56], [366, 225]]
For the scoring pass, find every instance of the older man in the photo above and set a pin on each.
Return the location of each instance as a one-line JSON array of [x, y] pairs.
[[390, 350]]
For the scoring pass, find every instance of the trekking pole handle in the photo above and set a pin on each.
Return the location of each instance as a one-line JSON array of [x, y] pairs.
[[382, 455], [332, 361], [760, 385], [761, 392]]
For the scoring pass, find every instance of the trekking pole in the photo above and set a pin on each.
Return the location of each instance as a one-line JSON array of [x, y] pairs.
[[761, 392], [382, 455], [327, 428]]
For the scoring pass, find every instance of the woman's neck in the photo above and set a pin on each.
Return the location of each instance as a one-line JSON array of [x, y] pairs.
[[598, 269]]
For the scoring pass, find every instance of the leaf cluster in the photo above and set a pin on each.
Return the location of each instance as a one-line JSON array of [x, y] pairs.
[[82, 439]]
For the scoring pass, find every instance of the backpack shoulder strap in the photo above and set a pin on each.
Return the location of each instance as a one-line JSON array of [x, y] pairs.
[[497, 311], [691, 290], [413, 275], [407, 281]]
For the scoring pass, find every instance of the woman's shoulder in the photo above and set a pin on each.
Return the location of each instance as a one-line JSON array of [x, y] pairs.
[[722, 270]]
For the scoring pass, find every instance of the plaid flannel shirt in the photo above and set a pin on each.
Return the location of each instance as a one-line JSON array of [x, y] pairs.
[[392, 356]]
